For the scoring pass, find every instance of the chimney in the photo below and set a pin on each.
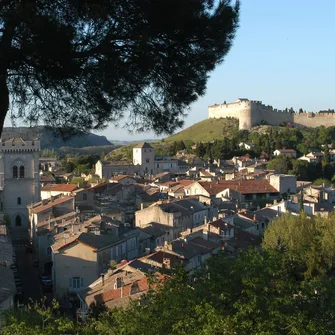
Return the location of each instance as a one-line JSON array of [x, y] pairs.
[[142, 205], [102, 279]]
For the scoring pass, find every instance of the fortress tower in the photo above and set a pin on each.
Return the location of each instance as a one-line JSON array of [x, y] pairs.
[[19, 181], [249, 113]]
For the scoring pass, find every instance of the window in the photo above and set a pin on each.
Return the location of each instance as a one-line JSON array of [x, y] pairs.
[[147, 160], [15, 171], [21, 171], [18, 220], [19, 200], [84, 196], [76, 282]]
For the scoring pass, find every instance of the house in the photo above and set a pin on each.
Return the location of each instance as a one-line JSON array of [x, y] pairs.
[[7, 288], [283, 183], [47, 209], [47, 164], [312, 157], [154, 235], [178, 214], [216, 231], [163, 177], [113, 192], [242, 161], [206, 175], [241, 190], [84, 200], [285, 152], [320, 194], [123, 179], [80, 257], [46, 179], [117, 288], [43, 237], [52, 190], [246, 145], [191, 252]]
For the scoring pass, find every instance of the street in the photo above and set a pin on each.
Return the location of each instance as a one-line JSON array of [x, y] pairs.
[[28, 274]]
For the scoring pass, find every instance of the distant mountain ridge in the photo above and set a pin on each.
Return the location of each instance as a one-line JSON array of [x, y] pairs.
[[51, 141]]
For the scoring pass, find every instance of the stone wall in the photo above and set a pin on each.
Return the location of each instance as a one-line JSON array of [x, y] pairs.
[[251, 113], [314, 120]]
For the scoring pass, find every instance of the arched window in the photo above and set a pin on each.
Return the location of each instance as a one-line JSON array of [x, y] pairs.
[[19, 200], [21, 171], [15, 171], [18, 220]]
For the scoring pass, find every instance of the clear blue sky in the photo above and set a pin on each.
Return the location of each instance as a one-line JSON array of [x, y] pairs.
[[283, 55]]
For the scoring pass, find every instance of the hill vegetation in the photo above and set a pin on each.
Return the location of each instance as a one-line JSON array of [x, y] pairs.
[[50, 140], [207, 131]]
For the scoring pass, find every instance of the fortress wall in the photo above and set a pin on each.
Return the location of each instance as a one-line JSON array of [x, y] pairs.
[[306, 120], [251, 113], [274, 118], [225, 110]]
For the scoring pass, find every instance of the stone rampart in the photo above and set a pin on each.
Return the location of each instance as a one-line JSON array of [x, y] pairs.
[[251, 113], [314, 120]]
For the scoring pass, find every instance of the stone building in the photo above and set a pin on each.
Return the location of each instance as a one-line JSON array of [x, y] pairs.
[[19, 181]]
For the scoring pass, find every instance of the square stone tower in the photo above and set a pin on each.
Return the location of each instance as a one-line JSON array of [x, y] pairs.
[[144, 155], [19, 182]]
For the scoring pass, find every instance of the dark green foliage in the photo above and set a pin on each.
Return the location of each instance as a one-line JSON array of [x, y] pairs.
[[281, 164], [77, 65]]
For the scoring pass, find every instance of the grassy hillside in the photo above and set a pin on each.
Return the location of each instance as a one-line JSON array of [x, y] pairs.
[[206, 131]]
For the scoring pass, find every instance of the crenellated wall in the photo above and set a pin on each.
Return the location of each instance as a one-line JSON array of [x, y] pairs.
[[251, 113]]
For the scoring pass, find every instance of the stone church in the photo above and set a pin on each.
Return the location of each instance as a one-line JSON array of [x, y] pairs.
[[19, 181]]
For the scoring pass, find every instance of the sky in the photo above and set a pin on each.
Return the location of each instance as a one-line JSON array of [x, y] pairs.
[[283, 55]]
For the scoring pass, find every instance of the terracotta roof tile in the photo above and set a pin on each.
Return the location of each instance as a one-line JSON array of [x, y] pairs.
[[50, 204], [59, 188], [242, 186]]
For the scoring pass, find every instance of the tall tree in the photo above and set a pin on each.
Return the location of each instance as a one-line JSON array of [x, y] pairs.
[[78, 65]]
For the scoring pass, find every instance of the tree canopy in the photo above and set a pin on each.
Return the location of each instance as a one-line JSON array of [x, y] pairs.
[[79, 65]]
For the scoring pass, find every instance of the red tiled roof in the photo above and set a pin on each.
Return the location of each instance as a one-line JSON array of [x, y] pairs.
[[242, 186], [186, 182], [59, 187], [104, 297], [121, 177], [50, 204]]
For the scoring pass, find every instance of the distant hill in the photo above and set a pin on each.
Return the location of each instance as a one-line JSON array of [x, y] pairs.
[[206, 131], [50, 141]]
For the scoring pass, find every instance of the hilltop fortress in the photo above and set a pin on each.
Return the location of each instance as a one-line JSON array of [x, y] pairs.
[[251, 113]]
